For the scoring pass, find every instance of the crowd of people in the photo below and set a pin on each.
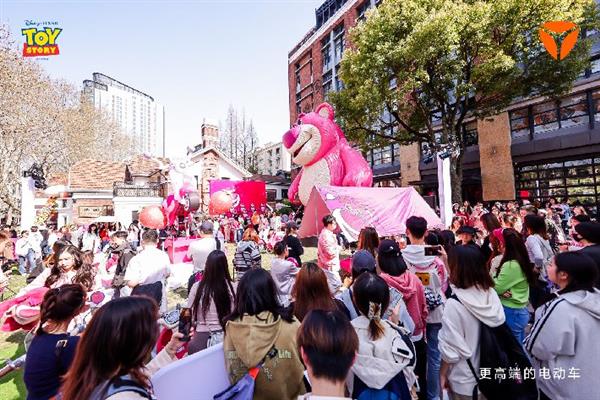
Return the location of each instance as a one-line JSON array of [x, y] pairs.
[[409, 316]]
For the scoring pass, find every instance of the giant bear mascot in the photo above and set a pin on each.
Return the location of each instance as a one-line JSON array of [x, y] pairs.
[[318, 144]]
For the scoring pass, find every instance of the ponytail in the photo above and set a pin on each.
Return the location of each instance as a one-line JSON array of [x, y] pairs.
[[376, 329], [61, 304]]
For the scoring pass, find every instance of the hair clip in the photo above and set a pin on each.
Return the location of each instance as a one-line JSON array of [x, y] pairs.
[[374, 311]]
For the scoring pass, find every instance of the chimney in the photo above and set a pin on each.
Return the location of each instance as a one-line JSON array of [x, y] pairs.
[[210, 135]]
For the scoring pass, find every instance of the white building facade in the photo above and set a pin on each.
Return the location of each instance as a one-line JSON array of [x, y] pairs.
[[137, 113], [272, 157]]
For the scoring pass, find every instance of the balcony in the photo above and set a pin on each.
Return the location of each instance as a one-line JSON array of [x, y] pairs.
[[121, 189]]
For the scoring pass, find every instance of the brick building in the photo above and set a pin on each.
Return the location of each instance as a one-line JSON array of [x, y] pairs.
[[537, 148]]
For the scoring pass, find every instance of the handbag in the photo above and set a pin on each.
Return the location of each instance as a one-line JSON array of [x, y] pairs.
[[244, 388]]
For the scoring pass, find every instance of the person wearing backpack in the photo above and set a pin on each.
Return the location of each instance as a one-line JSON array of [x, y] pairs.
[[563, 337], [396, 274], [378, 370], [512, 281], [459, 337], [110, 361], [247, 254], [432, 273]]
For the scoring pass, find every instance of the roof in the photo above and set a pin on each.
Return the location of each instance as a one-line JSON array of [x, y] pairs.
[[222, 156], [99, 174]]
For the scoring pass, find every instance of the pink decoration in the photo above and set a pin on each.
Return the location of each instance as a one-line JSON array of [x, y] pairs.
[[385, 209], [320, 146], [153, 217], [221, 202]]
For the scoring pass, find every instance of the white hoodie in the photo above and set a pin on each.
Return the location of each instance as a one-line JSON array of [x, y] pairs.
[[432, 273], [459, 336], [377, 362], [565, 338]]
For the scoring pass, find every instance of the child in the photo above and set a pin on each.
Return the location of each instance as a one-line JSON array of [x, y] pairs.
[[283, 272]]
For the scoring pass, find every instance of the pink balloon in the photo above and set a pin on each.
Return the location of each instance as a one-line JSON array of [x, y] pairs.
[[153, 217], [220, 202]]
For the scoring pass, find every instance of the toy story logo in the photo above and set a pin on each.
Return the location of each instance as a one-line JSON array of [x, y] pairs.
[[40, 38]]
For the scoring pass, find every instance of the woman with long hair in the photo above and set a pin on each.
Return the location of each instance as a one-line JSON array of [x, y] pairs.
[[211, 300], [311, 292], [260, 330], [512, 282], [67, 267], [52, 349], [382, 354], [295, 248], [457, 223], [110, 362], [368, 239], [459, 339], [489, 222], [90, 239], [562, 337], [247, 254]]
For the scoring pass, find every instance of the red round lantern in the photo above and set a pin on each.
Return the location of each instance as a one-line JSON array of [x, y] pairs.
[[221, 202], [153, 217]]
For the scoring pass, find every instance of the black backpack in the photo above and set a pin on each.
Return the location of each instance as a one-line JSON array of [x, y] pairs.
[[500, 350]]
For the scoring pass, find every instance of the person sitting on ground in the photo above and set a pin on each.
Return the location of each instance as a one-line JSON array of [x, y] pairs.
[[311, 292], [460, 333], [199, 250], [247, 254], [260, 330], [328, 345], [52, 349], [562, 337], [211, 300], [283, 272], [148, 271], [110, 361], [382, 354]]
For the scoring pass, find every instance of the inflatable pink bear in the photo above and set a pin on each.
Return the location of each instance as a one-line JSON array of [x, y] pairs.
[[318, 144]]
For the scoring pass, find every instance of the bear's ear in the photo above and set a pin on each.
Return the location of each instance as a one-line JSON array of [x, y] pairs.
[[325, 110]]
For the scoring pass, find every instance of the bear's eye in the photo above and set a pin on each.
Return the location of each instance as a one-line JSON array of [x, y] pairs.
[[299, 122]]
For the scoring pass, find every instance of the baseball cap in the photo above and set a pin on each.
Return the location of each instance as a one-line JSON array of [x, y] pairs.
[[362, 261], [390, 258], [207, 227]]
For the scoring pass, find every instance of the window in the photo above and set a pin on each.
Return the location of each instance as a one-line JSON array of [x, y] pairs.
[[338, 43], [298, 84], [596, 104], [362, 10], [327, 83], [470, 134], [326, 56], [396, 154], [339, 85], [595, 66], [545, 117], [573, 111]]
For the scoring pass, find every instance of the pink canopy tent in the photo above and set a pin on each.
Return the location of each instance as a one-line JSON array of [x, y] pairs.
[[385, 209]]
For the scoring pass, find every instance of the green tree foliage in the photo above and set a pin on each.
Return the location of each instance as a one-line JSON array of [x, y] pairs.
[[455, 59]]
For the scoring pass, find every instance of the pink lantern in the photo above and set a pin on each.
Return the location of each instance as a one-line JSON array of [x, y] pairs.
[[221, 202], [153, 217]]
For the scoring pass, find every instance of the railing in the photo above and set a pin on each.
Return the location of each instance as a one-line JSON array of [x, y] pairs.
[[128, 190]]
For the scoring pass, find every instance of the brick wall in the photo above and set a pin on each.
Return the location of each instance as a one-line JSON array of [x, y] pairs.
[[409, 164], [497, 173]]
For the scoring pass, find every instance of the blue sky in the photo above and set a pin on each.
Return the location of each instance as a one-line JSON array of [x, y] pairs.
[[195, 57]]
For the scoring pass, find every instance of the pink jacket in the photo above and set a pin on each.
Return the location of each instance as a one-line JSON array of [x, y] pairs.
[[414, 297], [328, 251]]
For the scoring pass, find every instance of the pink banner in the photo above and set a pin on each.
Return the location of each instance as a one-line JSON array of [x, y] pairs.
[[246, 196]]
